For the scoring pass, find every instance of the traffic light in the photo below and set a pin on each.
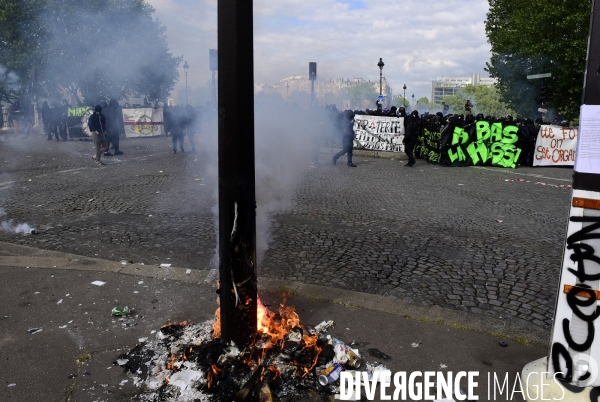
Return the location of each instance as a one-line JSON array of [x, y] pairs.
[[312, 71], [542, 96]]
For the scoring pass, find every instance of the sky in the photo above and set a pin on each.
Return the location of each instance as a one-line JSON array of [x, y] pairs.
[[418, 40]]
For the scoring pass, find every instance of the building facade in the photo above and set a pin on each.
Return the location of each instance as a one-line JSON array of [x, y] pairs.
[[443, 87], [300, 83]]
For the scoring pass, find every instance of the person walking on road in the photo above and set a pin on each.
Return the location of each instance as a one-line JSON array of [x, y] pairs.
[[346, 126], [97, 126]]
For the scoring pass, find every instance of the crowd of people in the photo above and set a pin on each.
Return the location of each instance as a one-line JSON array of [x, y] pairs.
[[413, 126]]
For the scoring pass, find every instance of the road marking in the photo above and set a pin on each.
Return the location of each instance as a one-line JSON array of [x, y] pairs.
[[70, 170], [6, 182], [504, 170]]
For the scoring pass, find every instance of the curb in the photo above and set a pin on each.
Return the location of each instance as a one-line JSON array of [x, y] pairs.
[[24, 256]]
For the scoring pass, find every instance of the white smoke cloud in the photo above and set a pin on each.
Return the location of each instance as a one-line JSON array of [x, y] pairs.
[[9, 226]]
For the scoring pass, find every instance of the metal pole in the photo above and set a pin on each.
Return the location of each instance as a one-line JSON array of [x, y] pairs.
[[186, 92], [237, 198], [380, 80], [312, 92], [214, 87]]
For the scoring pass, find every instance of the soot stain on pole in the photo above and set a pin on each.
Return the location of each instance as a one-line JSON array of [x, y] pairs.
[[237, 195]]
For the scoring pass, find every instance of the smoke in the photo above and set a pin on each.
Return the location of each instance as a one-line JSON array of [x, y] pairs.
[[9, 79], [9, 226]]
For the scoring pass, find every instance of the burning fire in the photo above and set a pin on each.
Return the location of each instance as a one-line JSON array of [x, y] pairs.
[[273, 331]]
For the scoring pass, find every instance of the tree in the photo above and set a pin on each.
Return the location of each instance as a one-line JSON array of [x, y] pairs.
[[530, 37], [361, 94], [485, 100], [400, 101], [87, 48]]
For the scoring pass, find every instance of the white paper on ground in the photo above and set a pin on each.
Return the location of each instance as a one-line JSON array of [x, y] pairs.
[[98, 283]]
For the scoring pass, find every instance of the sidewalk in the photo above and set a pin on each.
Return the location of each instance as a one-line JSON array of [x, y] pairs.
[[72, 358]]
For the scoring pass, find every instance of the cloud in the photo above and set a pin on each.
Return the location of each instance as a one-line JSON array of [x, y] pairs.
[[417, 39]]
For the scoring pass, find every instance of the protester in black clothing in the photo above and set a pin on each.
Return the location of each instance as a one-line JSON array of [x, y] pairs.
[[112, 127], [468, 107], [55, 118], [192, 124], [412, 126], [346, 128], [175, 121], [64, 115], [46, 118], [97, 126]]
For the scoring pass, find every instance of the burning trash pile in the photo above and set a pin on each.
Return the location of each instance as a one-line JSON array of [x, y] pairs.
[[288, 361]]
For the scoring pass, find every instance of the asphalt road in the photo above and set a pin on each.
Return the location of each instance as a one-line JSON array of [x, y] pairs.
[[460, 238]]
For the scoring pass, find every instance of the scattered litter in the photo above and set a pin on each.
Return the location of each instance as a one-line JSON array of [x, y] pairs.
[[378, 354], [135, 291], [188, 271], [443, 366], [212, 275], [123, 382], [160, 171], [324, 326], [70, 322], [165, 265], [375, 367], [152, 332], [503, 344], [123, 262], [122, 362], [5, 317], [98, 283], [11, 385], [415, 344], [142, 340], [498, 220], [68, 294], [120, 311], [460, 184], [36, 293], [34, 330], [59, 302], [62, 327], [140, 282]]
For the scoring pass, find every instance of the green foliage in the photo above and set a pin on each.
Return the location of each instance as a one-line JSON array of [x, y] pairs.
[[400, 101], [422, 102], [485, 99], [531, 37], [363, 95], [87, 48]]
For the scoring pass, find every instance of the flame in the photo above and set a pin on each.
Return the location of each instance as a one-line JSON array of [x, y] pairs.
[[211, 374], [170, 363], [272, 330], [217, 324]]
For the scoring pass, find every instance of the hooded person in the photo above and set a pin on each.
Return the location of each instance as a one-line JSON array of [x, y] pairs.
[[113, 123], [97, 126], [346, 127], [412, 127]]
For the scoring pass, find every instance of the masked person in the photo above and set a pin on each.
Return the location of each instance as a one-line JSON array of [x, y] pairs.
[[112, 127], [97, 126], [346, 127], [412, 127], [175, 125]]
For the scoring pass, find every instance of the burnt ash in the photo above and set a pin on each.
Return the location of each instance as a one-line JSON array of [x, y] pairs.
[[287, 368]]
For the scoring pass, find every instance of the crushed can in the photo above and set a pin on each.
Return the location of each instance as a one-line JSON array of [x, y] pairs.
[[120, 311], [332, 377]]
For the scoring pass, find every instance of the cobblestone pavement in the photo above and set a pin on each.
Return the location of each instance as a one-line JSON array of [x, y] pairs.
[[461, 238]]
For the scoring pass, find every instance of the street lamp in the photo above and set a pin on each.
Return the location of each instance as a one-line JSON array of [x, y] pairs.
[[413, 102], [404, 96], [380, 65], [287, 86], [186, 67]]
